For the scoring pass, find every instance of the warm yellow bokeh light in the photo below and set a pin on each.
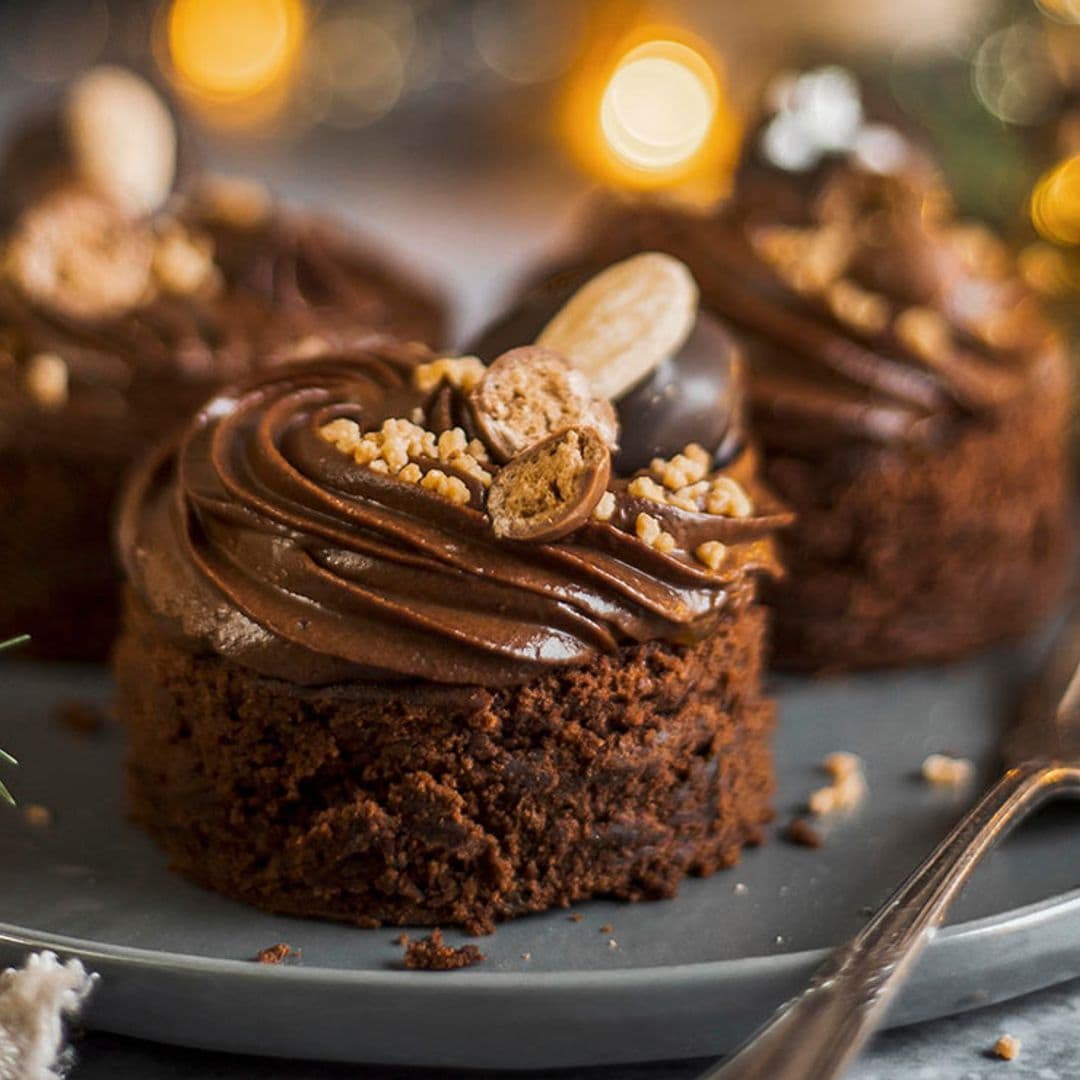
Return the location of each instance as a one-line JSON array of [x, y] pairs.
[[234, 49], [1055, 203], [658, 107], [653, 117]]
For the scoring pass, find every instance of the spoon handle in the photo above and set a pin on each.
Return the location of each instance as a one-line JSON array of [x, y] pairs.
[[817, 1034]]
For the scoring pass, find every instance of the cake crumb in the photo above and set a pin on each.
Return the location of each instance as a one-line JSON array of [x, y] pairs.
[[430, 954], [606, 928], [81, 717], [1007, 1047], [575, 917], [612, 944], [741, 889], [802, 833], [945, 771], [276, 954], [37, 816], [401, 939], [848, 787], [526, 956]]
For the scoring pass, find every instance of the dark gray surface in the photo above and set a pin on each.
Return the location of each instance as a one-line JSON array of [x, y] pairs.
[[1047, 1024], [688, 977]]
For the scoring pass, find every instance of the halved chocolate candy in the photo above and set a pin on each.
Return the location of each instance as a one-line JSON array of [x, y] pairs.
[[550, 489]]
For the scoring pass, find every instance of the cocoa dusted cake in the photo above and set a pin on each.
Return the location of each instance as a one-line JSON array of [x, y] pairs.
[[909, 400], [405, 643], [122, 305]]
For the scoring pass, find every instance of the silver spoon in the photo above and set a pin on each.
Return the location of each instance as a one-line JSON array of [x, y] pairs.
[[816, 1035]]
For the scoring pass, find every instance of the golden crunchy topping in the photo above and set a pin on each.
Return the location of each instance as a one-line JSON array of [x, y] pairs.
[[644, 487], [686, 487], [652, 535], [848, 788], [924, 332], [605, 508], [184, 261], [80, 255], [727, 498], [399, 445], [809, 260], [1007, 1047], [461, 372], [947, 771], [47, 380], [857, 307], [711, 553], [689, 467], [449, 487]]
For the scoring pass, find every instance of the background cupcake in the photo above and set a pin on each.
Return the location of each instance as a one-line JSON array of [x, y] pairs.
[[122, 303], [911, 403]]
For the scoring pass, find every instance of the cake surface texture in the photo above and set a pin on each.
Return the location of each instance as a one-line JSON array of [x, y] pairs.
[[354, 692]]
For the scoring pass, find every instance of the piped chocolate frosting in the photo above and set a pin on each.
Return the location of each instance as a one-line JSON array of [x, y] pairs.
[[255, 537]]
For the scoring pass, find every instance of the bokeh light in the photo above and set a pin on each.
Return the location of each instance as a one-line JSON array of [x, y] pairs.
[[658, 106], [654, 118], [1012, 75], [1055, 203], [230, 50]]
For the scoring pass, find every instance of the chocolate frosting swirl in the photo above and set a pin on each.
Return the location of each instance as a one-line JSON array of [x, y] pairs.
[[253, 537]]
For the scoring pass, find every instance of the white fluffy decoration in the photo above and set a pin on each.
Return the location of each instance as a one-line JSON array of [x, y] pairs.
[[34, 1002]]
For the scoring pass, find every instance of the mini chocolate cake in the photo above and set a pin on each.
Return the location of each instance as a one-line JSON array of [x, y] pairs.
[[122, 306], [402, 646], [910, 402]]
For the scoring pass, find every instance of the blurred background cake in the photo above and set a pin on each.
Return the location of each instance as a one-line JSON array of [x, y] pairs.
[[911, 401], [122, 303]]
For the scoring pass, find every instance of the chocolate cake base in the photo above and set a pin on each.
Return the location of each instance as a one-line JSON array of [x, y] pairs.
[[375, 803], [57, 574], [906, 554]]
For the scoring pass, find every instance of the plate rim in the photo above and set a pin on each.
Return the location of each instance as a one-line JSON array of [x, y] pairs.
[[1049, 910]]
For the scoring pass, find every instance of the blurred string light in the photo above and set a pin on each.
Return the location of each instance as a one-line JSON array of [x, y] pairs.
[[1012, 75], [234, 59], [653, 116], [364, 60], [528, 41], [1055, 203]]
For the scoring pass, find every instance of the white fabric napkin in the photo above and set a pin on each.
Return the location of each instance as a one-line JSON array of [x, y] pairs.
[[35, 1000]]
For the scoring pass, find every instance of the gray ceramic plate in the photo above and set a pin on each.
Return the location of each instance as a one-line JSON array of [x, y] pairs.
[[684, 978]]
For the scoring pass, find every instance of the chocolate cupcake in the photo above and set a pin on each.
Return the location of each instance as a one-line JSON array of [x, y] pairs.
[[123, 304], [402, 646], [910, 402]]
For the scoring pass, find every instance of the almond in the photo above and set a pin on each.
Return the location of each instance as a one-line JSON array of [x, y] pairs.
[[122, 138], [625, 321]]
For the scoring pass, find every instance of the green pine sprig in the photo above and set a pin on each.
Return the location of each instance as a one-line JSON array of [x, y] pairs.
[[6, 795]]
